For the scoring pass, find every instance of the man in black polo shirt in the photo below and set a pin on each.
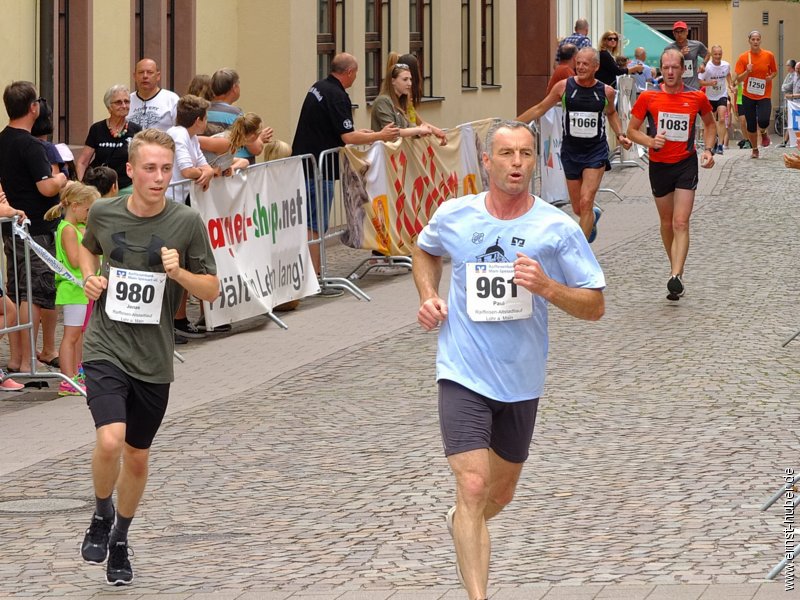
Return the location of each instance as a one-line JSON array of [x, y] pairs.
[[29, 184], [326, 121]]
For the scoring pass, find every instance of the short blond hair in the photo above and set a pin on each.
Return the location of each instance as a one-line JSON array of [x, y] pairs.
[[149, 136]]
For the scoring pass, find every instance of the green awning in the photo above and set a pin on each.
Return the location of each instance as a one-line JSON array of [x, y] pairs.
[[638, 34]]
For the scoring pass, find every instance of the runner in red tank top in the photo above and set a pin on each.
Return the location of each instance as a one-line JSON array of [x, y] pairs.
[[671, 112]]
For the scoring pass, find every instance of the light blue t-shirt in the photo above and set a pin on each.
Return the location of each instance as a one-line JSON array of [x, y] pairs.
[[503, 360]]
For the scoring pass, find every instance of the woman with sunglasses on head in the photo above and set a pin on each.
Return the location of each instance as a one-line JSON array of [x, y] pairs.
[[107, 141], [609, 50], [395, 103]]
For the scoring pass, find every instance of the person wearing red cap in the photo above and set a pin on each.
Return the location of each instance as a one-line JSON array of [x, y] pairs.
[[691, 50], [756, 69]]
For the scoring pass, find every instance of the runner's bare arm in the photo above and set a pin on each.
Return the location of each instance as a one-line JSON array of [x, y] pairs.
[[201, 285], [427, 271], [89, 264], [582, 303], [641, 138], [709, 139], [536, 111]]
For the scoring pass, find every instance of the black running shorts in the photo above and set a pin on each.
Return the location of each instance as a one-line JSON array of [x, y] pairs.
[[114, 396], [665, 178], [470, 421]]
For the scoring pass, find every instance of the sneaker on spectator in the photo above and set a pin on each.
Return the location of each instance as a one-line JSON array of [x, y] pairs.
[[188, 330], [119, 570], [9, 385], [66, 388], [94, 548], [449, 520], [81, 376], [201, 326]]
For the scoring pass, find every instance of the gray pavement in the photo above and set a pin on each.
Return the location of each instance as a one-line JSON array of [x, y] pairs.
[[307, 464]]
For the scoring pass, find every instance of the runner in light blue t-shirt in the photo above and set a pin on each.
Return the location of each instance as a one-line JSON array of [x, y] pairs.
[[512, 255]]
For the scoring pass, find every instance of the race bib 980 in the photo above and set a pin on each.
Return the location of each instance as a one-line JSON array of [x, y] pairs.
[[135, 296], [492, 294]]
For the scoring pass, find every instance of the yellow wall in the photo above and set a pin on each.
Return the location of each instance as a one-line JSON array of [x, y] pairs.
[[112, 50], [18, 57], [729, 26]]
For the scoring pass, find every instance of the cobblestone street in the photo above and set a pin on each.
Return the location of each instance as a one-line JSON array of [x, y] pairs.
[[307, 463]]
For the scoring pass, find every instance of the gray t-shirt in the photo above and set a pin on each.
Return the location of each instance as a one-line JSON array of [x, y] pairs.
[[696, 49], [134, 243]]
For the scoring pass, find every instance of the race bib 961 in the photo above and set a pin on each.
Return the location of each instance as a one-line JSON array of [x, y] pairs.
[[492, 294]]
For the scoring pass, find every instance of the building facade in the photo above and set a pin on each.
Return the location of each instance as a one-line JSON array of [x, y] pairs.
[[75, 49]]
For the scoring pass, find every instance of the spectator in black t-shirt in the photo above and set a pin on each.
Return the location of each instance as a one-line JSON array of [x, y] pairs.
[[326, 121], [28, 181], [108, 140]]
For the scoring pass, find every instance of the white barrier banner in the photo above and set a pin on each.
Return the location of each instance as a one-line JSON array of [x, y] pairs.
[[256, 221], [626, 98], [554, 183], [793, 121]]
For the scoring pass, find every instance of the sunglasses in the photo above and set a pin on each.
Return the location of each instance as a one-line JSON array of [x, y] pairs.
[[612, 39]]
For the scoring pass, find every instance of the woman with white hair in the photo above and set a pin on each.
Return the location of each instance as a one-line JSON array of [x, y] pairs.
[[108, 140]]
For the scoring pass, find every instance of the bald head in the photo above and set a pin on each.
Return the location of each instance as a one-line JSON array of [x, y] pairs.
[[343, 62], [582, 26], [147, 77], [640, 54], [344, 67]]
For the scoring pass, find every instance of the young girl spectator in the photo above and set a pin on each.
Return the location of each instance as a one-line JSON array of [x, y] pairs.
[[220, 148], [76, 200], [391, 106], [415, 97]]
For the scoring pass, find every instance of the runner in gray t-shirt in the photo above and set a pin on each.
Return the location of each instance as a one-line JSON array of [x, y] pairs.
[[153, 250], [691, 50]]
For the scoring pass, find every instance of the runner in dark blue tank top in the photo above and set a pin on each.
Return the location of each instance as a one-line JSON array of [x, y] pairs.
[[584, 149]]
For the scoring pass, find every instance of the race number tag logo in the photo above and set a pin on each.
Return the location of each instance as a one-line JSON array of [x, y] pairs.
[[756, 86], [583, 124], [135, 296], [676, 126], [492, 294], [688, 68]]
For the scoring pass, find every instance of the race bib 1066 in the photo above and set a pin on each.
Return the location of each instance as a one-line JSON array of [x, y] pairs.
[[583, 124], [492, 294], [675, 126], [135, 296]]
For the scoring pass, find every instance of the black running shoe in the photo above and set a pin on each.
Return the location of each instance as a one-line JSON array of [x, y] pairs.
[[95, 543], [675, 288], [118, 569]]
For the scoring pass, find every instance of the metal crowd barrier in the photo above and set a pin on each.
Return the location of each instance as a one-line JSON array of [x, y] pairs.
[[794, 499], [337, 225], [11, 245]]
